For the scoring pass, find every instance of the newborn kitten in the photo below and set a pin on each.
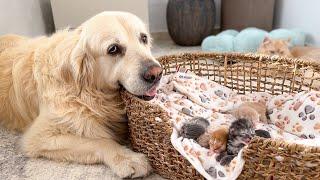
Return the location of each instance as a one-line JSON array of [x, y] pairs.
[[194, 128], [253, 111], [216, 141], [275, 47], [281, 48], [240, 134]]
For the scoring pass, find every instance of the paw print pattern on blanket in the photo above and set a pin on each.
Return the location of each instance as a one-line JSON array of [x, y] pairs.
[[294, 117], [298, 114]]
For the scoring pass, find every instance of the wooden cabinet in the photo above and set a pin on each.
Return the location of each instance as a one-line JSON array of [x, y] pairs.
[[240, 14]]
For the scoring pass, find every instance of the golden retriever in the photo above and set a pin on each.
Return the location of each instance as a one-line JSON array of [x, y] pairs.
[[62, 91]]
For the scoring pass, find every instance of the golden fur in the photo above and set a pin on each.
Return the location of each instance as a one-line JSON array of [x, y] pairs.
[[62, 91], [309, 53], [216, 140], [253, 111], [281, 48], [275, 47]]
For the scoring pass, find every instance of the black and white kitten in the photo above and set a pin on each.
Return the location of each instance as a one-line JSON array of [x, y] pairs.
[[241, 132]]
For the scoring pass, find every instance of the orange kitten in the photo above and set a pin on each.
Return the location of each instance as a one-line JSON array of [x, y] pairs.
[[275, 47], [281, 48], [216, 141]]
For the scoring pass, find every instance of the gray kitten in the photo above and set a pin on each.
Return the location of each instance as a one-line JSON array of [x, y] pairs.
[[194, 128]]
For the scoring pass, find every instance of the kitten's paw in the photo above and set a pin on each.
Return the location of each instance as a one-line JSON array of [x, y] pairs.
[[131, 165], [226, 160], [221, 155]]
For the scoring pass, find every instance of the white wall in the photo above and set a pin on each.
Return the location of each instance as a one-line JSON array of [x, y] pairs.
[[157, 15], [303, 14], [34, 17], [72, 13], [25, 17]]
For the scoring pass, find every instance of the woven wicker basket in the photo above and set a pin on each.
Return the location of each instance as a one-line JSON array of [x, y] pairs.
[[243, 73]]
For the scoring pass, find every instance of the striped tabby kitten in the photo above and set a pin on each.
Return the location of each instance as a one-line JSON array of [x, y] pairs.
[[240, 134]]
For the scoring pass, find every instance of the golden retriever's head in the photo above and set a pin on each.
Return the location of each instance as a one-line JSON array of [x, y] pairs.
[[114, 51], [275, 47]]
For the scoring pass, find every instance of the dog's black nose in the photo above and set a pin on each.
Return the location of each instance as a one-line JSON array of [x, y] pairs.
[[153, 74]]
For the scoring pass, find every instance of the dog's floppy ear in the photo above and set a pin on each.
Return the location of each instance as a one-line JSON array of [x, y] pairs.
[[83, 66], [78, 30]]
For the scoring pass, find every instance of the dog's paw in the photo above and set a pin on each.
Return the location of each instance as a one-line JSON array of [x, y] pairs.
[[131, 165]]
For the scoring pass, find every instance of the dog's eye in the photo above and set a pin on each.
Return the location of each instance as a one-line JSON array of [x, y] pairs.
[[114, 49], [144, 38]]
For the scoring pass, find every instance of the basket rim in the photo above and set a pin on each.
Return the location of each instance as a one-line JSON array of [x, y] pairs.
[[252, 56]]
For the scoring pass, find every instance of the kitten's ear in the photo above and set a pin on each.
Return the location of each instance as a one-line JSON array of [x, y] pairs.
[[231, 130], [288, 41], [266, 40]]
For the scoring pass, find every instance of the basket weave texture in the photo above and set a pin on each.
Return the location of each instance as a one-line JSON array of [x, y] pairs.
[[150, 128]]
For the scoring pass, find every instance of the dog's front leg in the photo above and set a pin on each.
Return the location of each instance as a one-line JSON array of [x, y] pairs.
[[41, 140]]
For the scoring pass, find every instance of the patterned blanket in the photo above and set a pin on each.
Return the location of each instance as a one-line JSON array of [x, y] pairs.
[[294, 118]]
